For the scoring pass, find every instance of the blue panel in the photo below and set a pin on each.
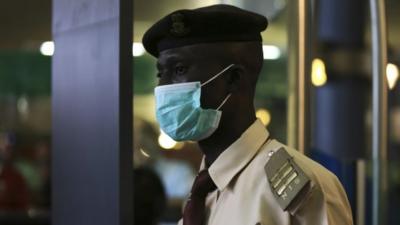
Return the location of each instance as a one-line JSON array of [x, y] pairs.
[[339, 121], [341, 21]]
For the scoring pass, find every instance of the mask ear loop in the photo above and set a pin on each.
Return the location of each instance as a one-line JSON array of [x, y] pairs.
[[215, 76], [223, 102]]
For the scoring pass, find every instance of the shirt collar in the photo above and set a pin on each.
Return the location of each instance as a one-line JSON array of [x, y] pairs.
[[237, 155]]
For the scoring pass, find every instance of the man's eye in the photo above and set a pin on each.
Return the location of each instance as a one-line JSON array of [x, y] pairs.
[[160, 73], [179, 70]]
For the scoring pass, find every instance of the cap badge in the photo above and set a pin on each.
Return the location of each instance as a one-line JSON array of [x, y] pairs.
[[178, 26]]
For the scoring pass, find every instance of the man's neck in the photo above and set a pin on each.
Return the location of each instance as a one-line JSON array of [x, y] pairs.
[[223, 137]]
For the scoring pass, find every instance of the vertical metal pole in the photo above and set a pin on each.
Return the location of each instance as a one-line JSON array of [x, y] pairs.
[[360, 205], [379, 111], [299, 74]]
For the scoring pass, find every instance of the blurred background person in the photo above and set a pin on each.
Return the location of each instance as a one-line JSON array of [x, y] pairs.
[[150, 199], [14, 195]]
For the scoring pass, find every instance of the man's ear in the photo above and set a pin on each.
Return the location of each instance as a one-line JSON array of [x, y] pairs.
[[235, 78]]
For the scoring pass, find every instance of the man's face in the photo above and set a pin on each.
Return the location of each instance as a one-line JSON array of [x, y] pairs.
[[195, 63]]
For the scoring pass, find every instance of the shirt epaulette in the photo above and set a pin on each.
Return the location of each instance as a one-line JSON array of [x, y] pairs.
[[286, 178]]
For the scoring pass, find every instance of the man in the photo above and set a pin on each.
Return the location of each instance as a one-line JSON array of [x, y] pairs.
[[209, 60]]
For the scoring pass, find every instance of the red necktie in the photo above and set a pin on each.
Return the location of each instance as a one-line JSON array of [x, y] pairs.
[[194, 212]]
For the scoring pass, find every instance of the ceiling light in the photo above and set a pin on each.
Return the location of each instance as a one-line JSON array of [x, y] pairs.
[[138, 49], [47, 48], [264, 116], [318, 73], [165, 141], [271, 52], [392, 75]]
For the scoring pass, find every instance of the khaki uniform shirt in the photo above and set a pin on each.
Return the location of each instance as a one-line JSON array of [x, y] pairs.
[[244, 196]]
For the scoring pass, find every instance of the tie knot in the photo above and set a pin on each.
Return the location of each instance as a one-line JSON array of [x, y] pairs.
[[203, 184]]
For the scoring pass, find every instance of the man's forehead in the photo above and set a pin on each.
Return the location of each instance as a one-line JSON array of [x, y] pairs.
[[193, 51], [172, 55]]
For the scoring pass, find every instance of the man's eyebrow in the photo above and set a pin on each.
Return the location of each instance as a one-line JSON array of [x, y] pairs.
[[168, 59]]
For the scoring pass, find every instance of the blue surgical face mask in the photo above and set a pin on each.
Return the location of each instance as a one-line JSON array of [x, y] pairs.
[[179, 113]]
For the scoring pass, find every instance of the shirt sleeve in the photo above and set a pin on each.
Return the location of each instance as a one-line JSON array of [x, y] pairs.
[[324, 204]]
